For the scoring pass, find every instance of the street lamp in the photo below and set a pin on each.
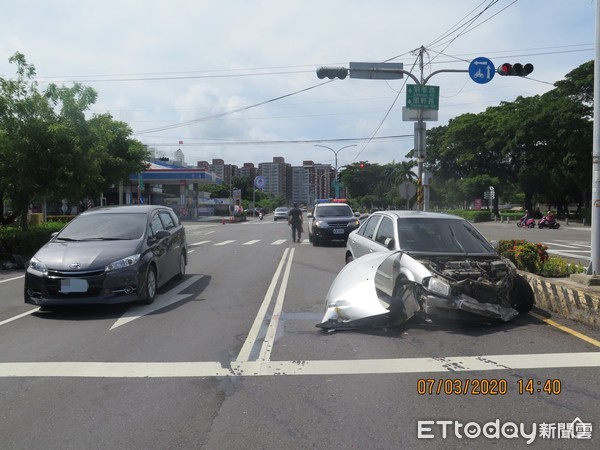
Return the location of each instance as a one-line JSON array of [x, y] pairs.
[[335, 152]]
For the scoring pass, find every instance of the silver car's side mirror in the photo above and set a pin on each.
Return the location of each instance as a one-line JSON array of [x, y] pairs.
[[389, 243]]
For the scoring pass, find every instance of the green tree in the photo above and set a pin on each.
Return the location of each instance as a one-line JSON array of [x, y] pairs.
[[48, 149], [25, 115], [540, 146]]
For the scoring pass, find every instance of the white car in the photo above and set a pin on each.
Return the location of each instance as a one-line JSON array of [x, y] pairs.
[[281, 213], [411, 263]]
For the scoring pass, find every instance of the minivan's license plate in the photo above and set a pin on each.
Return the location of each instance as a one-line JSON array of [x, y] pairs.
[[68, 285], [338, 231]]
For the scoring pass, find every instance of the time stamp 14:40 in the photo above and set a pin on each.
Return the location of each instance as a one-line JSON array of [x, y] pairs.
[[486, 386]]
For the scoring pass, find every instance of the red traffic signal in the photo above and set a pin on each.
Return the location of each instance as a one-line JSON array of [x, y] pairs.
[[504, 69], [361, 165], [516, 70]]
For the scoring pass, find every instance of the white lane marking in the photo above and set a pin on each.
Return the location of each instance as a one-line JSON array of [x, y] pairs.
[[27, 313], [173, 296], [279, 242], [254, 241], [225, 242], [12, 279], [112, 370], [198, 243], [252, 337], [455, 364], [267, 346]]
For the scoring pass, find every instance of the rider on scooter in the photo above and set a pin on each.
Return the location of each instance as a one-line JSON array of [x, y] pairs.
[[549, 221], [550, 217], [523, 221]]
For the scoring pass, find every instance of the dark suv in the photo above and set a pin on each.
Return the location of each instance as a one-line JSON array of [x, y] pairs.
[[331, 222]]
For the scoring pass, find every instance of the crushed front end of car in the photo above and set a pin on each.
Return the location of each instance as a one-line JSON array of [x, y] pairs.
[[479, 286], [386, 289]]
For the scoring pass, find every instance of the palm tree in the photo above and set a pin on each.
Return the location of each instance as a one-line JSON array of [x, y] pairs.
[[397, 173]]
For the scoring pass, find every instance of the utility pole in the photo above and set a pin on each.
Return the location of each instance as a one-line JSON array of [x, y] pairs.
[[422, 100], [421, 146], [594, 267], [391, 71]]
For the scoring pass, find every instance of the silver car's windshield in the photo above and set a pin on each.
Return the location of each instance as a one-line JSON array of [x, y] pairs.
[[441, 236], [104, 227]]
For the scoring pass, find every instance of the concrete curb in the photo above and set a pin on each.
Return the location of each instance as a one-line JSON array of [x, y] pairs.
[[566, 297]]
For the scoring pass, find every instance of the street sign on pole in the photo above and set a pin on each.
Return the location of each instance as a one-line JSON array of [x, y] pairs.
[[407, 191], [410, 115], [420, 96], [481, 70], [376, 71], [259, 182]]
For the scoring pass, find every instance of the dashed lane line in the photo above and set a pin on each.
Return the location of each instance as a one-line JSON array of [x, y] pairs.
[[225, 242]]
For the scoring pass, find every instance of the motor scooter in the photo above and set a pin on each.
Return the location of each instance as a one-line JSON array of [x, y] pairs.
[[529, 223], [548, 223], [260, 215]]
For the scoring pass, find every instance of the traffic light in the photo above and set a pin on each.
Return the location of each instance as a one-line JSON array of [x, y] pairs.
[[361, 165], [332, 72], [515, 70]]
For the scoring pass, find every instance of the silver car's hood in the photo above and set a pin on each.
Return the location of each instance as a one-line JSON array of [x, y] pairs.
[[85, 255], [353, 295]]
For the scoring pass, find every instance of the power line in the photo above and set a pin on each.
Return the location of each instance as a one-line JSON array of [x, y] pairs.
[[293, 141], [214, 116]]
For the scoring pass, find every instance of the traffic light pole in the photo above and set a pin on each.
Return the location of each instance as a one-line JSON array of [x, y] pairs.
[[381, 71], [388, 71]]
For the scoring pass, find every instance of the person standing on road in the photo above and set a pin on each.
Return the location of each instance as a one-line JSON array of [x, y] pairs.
[[295, 221]]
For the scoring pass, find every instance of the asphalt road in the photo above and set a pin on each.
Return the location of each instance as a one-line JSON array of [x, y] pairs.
[[230, 358]]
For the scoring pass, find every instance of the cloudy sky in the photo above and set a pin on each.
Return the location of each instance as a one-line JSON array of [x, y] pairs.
[[235, 79]]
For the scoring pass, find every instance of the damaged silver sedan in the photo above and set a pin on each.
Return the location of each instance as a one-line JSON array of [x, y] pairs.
[[443, 267]]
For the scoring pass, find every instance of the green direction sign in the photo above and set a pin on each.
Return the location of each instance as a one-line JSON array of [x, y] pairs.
[[422, 96]]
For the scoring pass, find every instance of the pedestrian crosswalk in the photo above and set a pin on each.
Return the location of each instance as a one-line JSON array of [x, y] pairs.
[[569, 249], [245, 243]]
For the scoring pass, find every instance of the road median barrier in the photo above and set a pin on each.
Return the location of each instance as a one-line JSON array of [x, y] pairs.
[[576, 297]]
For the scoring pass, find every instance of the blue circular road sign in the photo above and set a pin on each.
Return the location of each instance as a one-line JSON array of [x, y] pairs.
[[259, 182], [482, 70]]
